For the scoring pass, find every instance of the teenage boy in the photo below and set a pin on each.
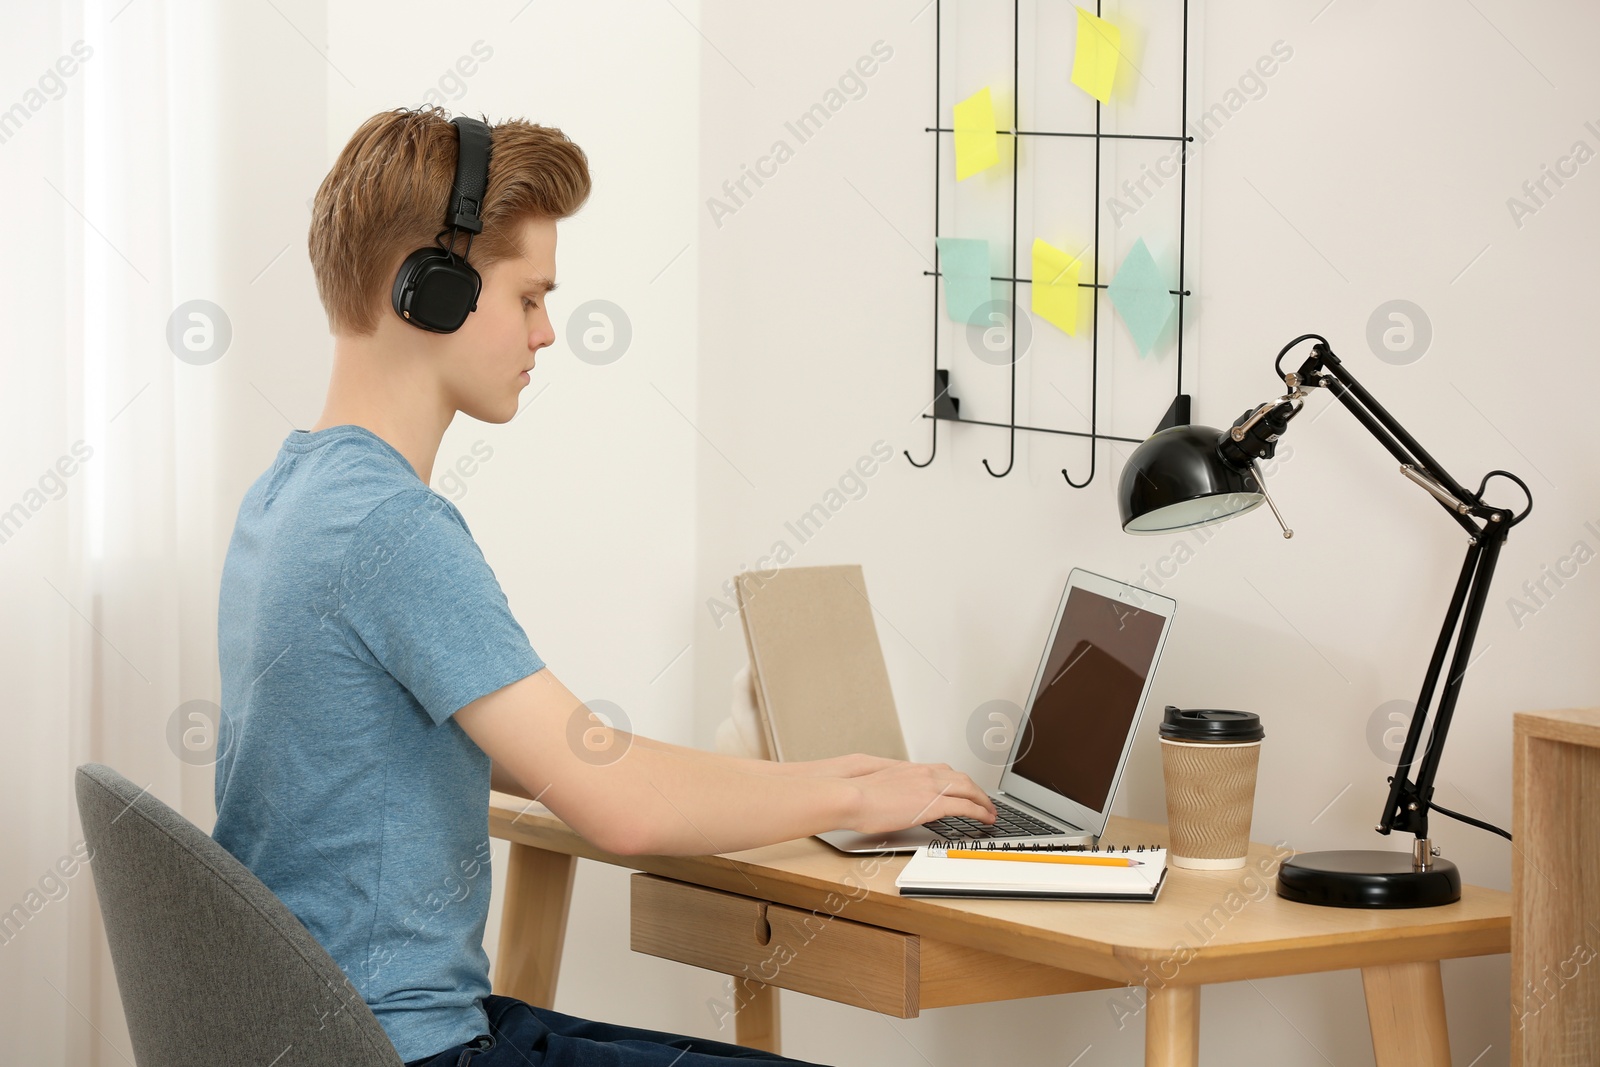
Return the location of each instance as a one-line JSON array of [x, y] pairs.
[[375, 685]]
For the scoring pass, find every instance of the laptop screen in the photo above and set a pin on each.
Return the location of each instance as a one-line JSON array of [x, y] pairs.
[[1078, 724]]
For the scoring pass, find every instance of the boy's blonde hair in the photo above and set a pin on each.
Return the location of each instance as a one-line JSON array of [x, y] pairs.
[[387, 194]]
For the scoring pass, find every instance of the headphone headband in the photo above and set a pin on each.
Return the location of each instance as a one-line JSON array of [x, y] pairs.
[[472, 175]]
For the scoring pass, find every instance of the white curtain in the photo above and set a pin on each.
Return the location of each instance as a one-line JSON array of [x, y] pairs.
[[108, 549]]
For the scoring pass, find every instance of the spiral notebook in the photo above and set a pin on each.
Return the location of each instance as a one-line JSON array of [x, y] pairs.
[[932, 873]]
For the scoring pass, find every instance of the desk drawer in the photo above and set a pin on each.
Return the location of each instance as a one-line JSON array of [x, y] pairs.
[[772, 944]]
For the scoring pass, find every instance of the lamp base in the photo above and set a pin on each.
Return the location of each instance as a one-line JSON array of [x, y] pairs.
[[1367, 878]]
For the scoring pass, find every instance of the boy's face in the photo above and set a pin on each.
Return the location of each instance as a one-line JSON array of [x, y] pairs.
[[484, 361]]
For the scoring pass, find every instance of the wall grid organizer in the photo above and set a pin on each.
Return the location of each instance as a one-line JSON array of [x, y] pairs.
[[947, 407]]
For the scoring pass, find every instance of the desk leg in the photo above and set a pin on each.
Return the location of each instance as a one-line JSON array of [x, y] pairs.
[[533, 924], [1172, 1026], [755, 1025], [1405, 1008]]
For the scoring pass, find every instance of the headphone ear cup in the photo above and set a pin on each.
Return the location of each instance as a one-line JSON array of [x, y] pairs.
[[405, 283], [435, 291]]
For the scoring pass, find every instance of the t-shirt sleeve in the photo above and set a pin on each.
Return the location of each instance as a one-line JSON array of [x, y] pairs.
[[417, 592]]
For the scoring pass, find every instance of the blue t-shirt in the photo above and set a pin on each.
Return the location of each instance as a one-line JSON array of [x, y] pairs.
[[356, 615]]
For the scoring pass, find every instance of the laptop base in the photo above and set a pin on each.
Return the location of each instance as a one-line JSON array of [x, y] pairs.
[[914, 838]]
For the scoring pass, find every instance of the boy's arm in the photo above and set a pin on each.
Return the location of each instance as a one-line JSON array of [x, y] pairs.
[[663, 799], [848, 766]]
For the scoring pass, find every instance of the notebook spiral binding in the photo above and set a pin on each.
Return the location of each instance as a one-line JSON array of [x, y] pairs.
[[1042, 847]]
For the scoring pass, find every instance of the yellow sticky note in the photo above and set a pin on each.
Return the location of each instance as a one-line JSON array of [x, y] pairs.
[[977, 147], [1094, 62], [1055, 285]]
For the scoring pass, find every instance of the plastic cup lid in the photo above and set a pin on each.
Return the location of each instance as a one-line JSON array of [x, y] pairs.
[[1210, 724]]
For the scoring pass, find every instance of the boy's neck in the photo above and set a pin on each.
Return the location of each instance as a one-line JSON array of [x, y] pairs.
[[401, 408]]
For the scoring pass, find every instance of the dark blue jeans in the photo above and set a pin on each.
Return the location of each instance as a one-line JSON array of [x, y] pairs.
[[521, 1035]]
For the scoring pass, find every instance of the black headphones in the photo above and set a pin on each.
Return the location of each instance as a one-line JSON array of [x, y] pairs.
[[436, 289]]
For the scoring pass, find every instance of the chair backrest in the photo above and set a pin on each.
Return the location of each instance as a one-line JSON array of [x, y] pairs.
[[212, 967]]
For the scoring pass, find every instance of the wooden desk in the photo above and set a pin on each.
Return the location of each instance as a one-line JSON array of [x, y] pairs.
[[799, 915]]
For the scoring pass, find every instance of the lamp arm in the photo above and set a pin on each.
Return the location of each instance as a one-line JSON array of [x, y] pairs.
[[1410, 801], [1329, 371], [1488, 554]]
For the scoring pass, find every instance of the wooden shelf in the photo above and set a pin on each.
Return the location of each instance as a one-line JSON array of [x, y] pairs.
[[1555, 887]]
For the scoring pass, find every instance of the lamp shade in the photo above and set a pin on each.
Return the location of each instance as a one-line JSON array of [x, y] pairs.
[[1178, 479]]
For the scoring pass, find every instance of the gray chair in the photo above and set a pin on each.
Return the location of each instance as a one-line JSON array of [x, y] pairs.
[[212, 967]]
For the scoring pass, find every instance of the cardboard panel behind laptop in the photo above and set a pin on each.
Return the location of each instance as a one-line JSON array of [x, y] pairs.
[[816, 664]]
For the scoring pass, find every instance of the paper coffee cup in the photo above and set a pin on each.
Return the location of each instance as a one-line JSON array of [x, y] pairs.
[[1209, 760]]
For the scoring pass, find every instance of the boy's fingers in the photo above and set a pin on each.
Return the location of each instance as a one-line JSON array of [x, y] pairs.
[[977, 795]]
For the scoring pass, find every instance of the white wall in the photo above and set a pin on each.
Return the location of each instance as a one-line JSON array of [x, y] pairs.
[[1375, 165]]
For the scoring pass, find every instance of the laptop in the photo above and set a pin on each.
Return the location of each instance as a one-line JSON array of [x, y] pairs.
[[1067, 754]]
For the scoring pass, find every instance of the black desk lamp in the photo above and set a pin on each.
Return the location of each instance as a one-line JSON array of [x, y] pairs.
[[1188, 476]]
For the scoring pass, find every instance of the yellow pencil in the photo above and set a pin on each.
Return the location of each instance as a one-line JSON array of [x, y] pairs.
[[1038, 857]]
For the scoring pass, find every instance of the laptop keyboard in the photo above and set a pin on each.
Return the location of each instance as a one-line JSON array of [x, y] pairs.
[[1009, 822]]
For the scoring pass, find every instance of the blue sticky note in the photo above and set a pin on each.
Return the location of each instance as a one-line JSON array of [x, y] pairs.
[[1142, 297], [964, 263]]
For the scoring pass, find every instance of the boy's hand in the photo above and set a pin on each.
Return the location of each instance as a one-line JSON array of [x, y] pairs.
[[900, 795]]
